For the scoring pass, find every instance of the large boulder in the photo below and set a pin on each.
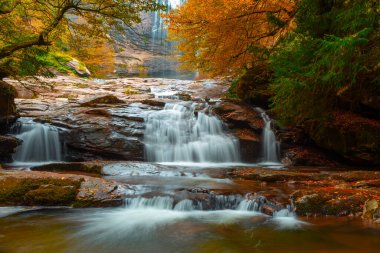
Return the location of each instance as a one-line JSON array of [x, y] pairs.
[[247, 125], [351, 136], [79, 68], [8, 145], [30, 188], [107, 143], [30, 88]]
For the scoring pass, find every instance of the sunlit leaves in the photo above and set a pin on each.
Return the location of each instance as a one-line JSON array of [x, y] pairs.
[[222, 37]]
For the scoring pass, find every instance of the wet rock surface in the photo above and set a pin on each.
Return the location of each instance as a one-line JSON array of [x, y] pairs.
[[322, 191], [105, 118], [85, 167], [53, 189], [246, 124]]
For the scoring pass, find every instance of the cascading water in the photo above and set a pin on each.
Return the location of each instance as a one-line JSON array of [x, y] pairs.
[[159, 31], [40, 142], [271, 146], [214, 203], [175, 134]]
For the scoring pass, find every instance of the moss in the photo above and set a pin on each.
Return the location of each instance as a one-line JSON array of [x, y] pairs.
[[51, 195], [80, 167], [55, 60], [30, 191], [232, 93], [129, 90], [310, 204]]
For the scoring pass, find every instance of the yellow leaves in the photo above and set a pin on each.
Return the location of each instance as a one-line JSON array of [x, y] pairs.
[[217, 36]]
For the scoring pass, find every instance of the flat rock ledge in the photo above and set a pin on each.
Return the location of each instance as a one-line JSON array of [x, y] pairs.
[[322, 192], [35, 188]]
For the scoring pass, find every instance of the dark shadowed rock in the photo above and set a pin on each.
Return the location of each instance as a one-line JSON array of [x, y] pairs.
[[305, 156], [153, 102], [7, 103], [107, 143], [353, 137], [7, 146], [88, 167]]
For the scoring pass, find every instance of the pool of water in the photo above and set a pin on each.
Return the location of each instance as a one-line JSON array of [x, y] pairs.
[[159, 230]]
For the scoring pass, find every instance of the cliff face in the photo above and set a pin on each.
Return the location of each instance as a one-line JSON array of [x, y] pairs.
[[143, 50]]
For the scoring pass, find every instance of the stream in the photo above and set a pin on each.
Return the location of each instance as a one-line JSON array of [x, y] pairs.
[[179, 199]]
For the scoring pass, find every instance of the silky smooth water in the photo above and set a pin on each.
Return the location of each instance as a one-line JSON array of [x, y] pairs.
[[271, 147], [159, 30], [153, 230], [40, 142], [176, 134]]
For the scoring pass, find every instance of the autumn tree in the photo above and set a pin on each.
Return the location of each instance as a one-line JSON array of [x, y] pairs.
[[28, 26], [222, 37]]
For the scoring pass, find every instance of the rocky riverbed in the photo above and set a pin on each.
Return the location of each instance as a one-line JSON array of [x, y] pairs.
[[103, 122]]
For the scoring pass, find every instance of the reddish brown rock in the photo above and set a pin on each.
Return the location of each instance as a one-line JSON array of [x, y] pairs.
[[306, 156], [239, 115], [353, 137], [106, 99], [53, 189], [247, 125], [98, 112]]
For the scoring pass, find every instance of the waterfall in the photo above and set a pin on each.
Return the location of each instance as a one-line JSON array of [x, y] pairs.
[[271, 146], [159, 30], [175, 134], [215, 202], [40, 142]]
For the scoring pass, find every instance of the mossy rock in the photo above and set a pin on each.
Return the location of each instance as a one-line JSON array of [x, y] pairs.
[[38, 191], [74, 167], [334, 202], [52, 195]]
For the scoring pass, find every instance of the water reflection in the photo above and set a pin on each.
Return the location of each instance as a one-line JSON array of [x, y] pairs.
[[159, 230]]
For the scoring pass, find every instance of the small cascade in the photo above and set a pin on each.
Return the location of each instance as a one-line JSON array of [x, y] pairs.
[[271, 147], [41, 142], [175, 134], [214, 203]]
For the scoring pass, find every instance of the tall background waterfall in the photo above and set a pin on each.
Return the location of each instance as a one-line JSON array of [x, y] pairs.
[[175, 134], [40, 142], [159, 30]]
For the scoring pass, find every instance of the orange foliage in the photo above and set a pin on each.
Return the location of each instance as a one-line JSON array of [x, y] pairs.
[[222, 37], [98, 56]]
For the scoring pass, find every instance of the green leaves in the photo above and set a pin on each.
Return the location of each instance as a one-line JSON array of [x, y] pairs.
[[331, 54]]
